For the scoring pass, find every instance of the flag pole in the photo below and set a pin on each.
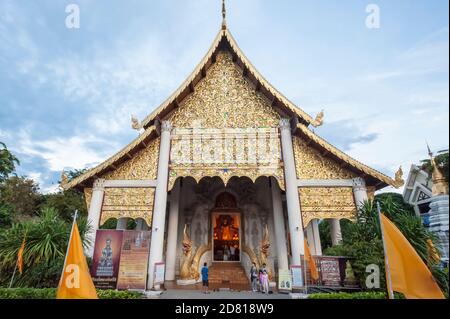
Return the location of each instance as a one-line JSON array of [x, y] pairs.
[[68, 244], [14, 273], [304, 266], [386, 260], [17, 261]]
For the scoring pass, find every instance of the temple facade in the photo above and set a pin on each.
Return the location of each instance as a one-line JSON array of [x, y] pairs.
[[228, 170]]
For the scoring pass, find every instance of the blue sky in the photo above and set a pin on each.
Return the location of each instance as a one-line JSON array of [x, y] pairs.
[[66, 95]]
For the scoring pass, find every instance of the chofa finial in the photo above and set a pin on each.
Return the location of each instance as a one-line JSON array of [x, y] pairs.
[[399, 181], [318, 121], [135, 124], [224, 15]]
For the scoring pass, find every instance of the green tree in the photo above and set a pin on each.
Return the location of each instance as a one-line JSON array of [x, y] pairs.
[[8, 162], [21, 195], [75, 173], [65, 202]]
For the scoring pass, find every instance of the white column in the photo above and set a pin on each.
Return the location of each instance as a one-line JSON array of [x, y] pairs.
[[359, 191], [172, 232], [292, 196], [159, 212], [316, 234], [278, 222], [122, 223], [95, 210], [336, 234]]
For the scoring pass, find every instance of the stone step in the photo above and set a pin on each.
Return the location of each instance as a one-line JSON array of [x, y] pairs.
[[225, 274]]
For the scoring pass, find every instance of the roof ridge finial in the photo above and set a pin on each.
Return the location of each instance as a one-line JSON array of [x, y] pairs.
[[224, 15]]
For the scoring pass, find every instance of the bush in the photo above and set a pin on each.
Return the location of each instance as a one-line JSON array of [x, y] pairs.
[[27, 293], [45, 248], [50, 293], [346, 295]]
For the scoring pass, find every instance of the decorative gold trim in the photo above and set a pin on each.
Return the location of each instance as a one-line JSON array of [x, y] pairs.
[[344, 157], [128, 202], [326, 202], [113, 159]]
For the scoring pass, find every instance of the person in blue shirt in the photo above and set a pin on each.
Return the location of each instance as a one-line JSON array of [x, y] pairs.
[[205, 278]]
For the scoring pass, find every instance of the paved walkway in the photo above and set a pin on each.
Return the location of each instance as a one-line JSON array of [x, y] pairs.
[[195, 294]]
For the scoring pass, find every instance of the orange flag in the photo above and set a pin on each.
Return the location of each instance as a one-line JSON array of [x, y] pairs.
[[312, 264], [76, 282], [409, 274], [20, 256]]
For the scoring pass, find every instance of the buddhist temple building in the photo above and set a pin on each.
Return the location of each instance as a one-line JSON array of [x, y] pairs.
[[228, 170]]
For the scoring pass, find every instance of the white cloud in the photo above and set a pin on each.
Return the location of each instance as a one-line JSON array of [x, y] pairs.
[[63, 153]]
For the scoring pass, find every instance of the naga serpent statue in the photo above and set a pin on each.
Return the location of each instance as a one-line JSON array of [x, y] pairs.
[[185, 271], [190, 263], [264, 253]]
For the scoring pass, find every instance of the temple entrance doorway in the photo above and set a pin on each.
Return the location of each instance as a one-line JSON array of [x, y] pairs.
[[226, 237], [226, 229]]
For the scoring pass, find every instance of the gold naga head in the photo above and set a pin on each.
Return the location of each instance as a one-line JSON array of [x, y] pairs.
[[319, 119], [187, 242], [135, 124], [265, 244], [64, 178], [399, 181]]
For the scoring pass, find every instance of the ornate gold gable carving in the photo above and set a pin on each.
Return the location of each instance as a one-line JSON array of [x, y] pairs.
[[311, 164], [144, 165], [225, 112], [326, 202], [225, 99], [128, 202]]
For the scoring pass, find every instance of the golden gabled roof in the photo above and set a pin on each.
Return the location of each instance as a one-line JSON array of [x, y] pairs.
[[225, 39], [116, 159], [374, 177]]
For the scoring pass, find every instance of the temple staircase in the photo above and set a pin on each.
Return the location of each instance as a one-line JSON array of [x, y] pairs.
[[229, 275]]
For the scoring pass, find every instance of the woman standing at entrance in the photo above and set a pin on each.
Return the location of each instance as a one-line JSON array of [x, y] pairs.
[[264, 279]]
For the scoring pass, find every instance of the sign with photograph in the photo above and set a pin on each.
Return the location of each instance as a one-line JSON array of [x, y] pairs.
[[284, 279], [134, 260], [297, 276], [159, 273], [106, 259]]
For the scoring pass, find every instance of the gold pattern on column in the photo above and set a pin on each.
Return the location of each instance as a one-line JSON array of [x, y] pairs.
[[311, 164], [128, 202], [327, 202], [143, 165], [88, 197], [371, 192]]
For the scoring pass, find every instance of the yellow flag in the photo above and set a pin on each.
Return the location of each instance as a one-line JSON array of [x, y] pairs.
[[312, 264], [76, 282], [20, 256], [409, 274]]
